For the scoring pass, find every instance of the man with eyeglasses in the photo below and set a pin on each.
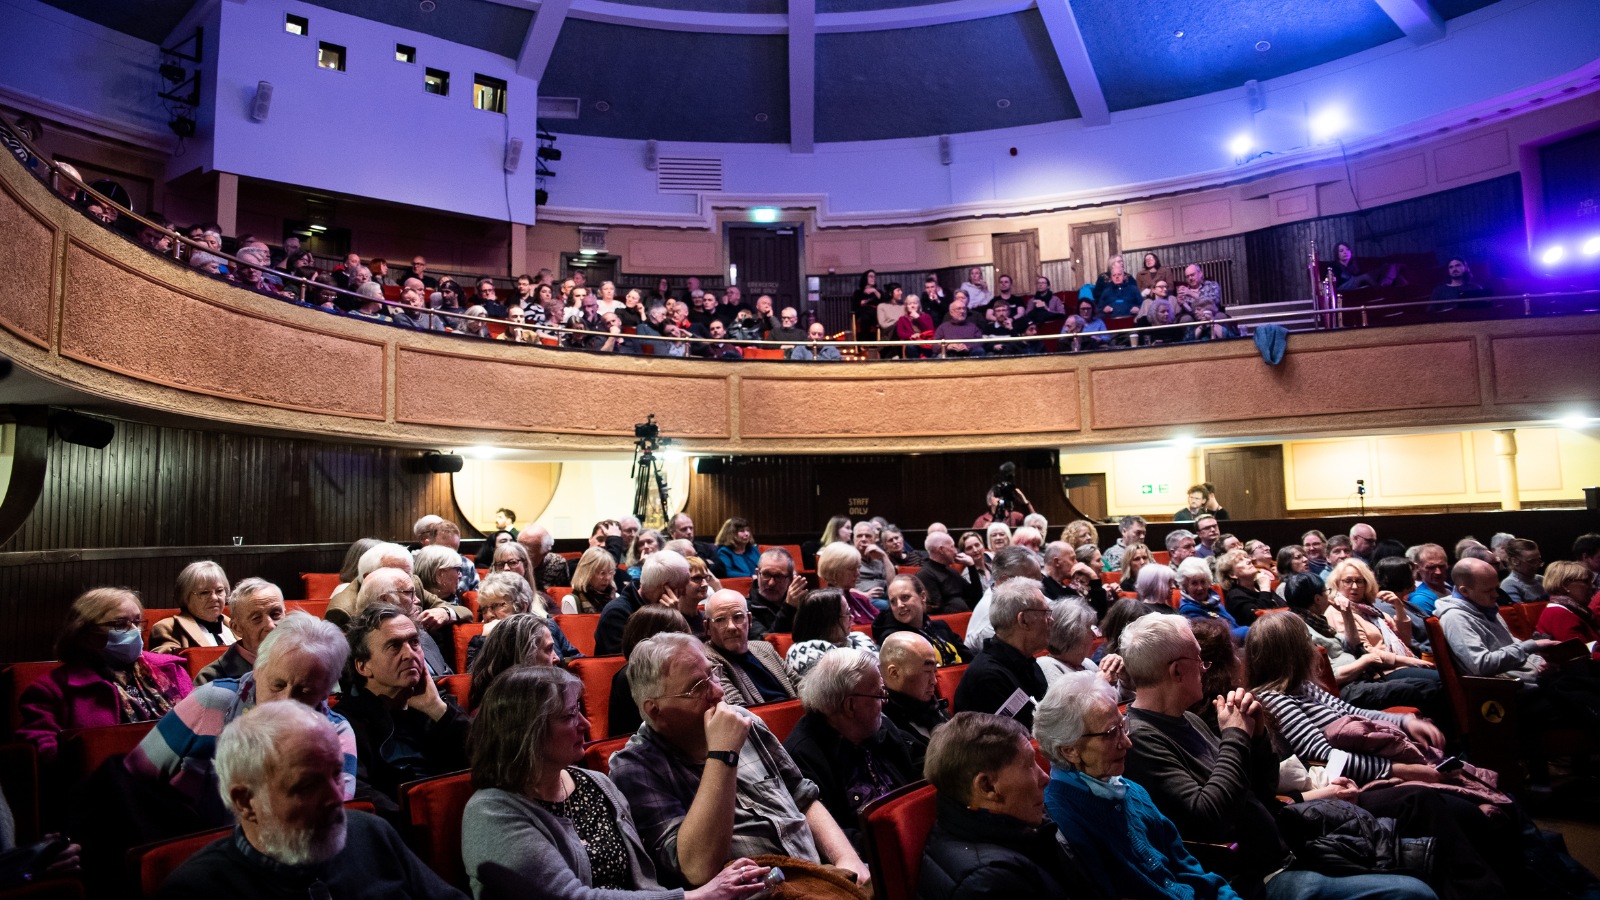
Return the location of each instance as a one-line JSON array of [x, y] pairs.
[[751, 672], [788, 330], [707, 782], [397, 588], [1006, 666], [1203, 782], [775, 593], [844, 742]]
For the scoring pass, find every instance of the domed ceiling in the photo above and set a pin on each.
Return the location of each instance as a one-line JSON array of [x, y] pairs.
[[806, 71]]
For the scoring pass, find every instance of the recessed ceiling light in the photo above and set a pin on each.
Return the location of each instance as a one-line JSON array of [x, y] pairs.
[[1263, 46], [427, 5], [602, 105], [1003, 103], [1178, 33], [761, 117]]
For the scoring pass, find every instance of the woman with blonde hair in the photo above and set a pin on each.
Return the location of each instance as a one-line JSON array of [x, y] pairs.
[[593, 583], [202, 595], [839, 566], [1080, 532], [1398, 677], [1245, 588]]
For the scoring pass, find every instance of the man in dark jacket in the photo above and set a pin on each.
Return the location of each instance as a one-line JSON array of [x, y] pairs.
[[910, 669], [948, 590], [1004, 674], [991, 837], [405, 729], [844, 743]]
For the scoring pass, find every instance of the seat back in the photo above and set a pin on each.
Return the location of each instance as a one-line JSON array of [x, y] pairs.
[[907, 570], [1161, 556], [1322, 670], [319, 585], [18, 676], [579, 629], [558, 594], [151, 864], [597, 754], [463, 634], [318, 608], [458, 687], [83, 750], [152, 616], [197, 658], [781, 640], [596, 673], [895, 828], [957, 622], [862, 629], [780, 717], [1449, 675], [432, 809], [740, 584], [948, 678]]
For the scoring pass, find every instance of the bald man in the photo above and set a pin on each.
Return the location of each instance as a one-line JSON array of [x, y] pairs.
[[1482, 645], [549, 569], [751, 672], [909, 666], [1363, 540]]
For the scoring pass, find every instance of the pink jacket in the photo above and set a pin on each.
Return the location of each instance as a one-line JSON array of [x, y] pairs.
[[76, 696]]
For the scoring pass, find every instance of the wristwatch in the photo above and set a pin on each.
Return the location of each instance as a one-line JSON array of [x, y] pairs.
[[727, 756]]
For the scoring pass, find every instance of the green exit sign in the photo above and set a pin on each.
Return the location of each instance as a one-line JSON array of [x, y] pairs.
[[1147, 489]]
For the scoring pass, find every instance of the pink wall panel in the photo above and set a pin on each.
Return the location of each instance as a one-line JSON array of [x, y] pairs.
[[1553, 368], [25, 270], [798, 407]]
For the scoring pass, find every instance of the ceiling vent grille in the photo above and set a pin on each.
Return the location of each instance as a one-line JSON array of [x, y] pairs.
[[688, 175], [559, 107]]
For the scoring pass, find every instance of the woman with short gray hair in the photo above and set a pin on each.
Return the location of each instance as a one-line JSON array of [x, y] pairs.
[[1112, 825], [201, 596], [1072, 637], [1154, 586], [538, 822], [439, 569]]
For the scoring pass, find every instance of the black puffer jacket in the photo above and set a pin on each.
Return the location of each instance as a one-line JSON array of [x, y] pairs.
[[975, 854], [1338, 838]]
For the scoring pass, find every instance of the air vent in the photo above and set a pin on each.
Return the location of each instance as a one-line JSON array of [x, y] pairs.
[[559, 107], [688, 175]]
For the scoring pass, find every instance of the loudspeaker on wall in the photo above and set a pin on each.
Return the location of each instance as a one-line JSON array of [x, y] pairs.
[[263, 104], [513, 155], [652, 152], [945, 156]]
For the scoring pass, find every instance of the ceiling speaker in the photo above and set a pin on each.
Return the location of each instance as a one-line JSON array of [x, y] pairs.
[[708, 465], [1255, 95], [443, 463], [85, 431], [263, 104]]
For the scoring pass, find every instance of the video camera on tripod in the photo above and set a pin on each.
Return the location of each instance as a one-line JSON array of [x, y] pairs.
[[647, 469], [1005, 490]]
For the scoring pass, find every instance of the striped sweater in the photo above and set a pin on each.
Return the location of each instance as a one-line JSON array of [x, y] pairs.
[[180, 748], [1302, 719]]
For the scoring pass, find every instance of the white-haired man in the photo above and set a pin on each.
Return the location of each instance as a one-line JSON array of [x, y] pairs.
[[663, 578], [1005, 667], [279, 771], [844, 743], [254, 608], [397, 588], [548, 569], [1009, 563], [876, 569], [948, 591], [707, 782], [432, 612]]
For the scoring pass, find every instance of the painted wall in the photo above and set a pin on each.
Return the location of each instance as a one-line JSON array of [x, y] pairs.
[[1435, 469], [591, 490], [370, 130]]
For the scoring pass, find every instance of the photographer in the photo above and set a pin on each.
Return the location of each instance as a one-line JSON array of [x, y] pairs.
[[1005, 501]]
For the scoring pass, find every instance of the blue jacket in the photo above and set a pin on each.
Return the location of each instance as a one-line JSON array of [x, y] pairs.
[[1211, 608], [1128, 846], [740, 565]]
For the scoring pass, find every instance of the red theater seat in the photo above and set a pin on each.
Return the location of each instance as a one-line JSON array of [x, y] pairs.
[[948, 677], [151, 864], [957, 622], [319, 585], [197, 658], [432, 808], [464, 633], [596, 673], [579, 629], [780, 717], [597, 754], [895, 827]]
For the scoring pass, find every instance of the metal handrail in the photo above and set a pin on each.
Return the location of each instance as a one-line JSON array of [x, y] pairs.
[[1333, 314]]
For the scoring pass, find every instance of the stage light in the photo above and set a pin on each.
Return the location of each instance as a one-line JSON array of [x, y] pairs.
[[1591, 247], [1553, 255], [1326, 125], [1240, 146]]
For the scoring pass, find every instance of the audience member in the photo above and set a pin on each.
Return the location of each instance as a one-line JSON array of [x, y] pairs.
[[822, 623], [405, 728], [646, 622], [254, 608], [708, 783], [1071, 644], [908, 611], [1004, 674], [963, 334], [594, 583], [518, 640], [1246, 590], [1567, 617], [844, 743], [1116, 294], [910, 665], [663, 579], [547, 570], [1180, 546], [106, 677], [751, 672], [1131, 530], [839, 566], [280, 771], [1198, 600], [736, 549], [775, 593], [1112, 825], [1523, 584], [817, 348], [201, 595]]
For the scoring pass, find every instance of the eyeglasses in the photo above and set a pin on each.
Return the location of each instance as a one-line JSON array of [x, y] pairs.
[[121, 624], [1352, 582], [1204, 666], [734, 619], [697, 691], [881, 698], [407, 592], [1115, 732]]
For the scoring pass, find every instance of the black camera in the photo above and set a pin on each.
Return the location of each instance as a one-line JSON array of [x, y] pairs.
[[647, 430]]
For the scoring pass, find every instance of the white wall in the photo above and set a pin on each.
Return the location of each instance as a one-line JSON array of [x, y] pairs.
[[369, 130], [1510, 46]]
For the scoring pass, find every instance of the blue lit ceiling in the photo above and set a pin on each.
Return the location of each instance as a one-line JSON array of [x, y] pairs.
[[718, 70]]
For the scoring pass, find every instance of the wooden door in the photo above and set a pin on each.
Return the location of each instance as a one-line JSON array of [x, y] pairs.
[[858, 487], [1016, 255], [1249, 481], [768, 259], [1093, 245], [1088, 494]]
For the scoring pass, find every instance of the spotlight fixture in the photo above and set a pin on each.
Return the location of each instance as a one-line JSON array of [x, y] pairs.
[[173, 74], [1326, 125], [1241, 146], [549, 153], [1553, 255], [1575, 421], [182, 125]]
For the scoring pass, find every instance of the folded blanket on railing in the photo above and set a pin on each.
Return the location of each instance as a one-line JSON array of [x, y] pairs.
[[1271, 341]]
